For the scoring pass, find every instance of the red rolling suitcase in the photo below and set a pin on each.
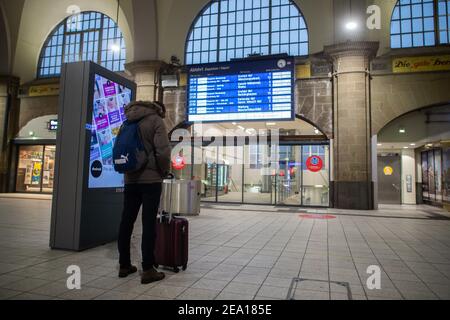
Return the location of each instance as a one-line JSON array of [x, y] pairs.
[[172, 242]]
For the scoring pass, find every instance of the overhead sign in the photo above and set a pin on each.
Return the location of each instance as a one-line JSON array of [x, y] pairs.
[[314, 163], [44, 90], [421, 64], [303, 71], [388, 171], [52, 125], [245, 90]]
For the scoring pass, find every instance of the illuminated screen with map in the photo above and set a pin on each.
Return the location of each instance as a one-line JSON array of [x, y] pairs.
[[110, 99]]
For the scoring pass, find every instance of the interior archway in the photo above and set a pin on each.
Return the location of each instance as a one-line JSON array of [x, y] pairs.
[[418, 144]]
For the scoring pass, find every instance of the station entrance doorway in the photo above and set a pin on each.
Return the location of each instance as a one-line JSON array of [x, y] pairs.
[[291, 184], [240, 173]]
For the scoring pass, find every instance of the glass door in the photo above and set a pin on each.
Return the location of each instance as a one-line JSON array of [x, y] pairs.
[[315, 175], [230, 174], [48, 169], [242, 174], [257, 180], [431, 180], [432, 174], [438, 173], [209, 174], [289, 176]]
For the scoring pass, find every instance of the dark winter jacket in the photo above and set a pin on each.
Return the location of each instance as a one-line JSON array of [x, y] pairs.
[[156, 142]]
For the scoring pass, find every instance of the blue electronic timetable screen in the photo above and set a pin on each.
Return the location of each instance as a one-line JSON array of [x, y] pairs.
[[246, 90]]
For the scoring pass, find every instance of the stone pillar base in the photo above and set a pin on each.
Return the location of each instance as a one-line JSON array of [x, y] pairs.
[[354, 195]]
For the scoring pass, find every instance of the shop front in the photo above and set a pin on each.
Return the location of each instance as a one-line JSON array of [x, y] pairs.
[[435, 164], [33, 157], [35, 168]]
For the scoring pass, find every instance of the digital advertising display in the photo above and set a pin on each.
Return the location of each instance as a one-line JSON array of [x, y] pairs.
[[88, 194], [245, 90], [108, 114]]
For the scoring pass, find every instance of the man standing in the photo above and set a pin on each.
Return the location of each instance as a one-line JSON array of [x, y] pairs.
[[144, 188]]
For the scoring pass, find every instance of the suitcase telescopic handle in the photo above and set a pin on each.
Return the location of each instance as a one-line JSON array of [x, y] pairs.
[[171, 177]]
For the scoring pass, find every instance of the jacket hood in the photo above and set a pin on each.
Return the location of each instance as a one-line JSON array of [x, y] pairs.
[[137, 110]]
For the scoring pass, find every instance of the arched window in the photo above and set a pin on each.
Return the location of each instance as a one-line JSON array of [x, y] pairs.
[[444, 21], [85, 36], [414, 23], [228, 29]]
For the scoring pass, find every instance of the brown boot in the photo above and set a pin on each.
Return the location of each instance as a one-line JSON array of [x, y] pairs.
[[151, 275], [126, 271]]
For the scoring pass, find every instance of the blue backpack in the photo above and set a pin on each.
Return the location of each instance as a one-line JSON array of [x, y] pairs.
[[129, 154]]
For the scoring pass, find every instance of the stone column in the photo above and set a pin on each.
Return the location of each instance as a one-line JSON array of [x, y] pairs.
[[9, 115], [353, 185], [147, 77]]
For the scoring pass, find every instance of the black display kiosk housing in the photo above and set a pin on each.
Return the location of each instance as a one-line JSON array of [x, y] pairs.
[[84, 216]]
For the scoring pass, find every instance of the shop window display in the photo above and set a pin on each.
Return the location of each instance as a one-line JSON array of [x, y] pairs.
[[35, 169]]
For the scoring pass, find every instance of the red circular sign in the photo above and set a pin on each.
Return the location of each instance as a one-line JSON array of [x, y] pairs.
[[178, 163], [314, 164]]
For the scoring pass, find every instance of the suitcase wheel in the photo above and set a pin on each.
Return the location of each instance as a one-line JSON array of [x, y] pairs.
[[185, 267], [176, 269]]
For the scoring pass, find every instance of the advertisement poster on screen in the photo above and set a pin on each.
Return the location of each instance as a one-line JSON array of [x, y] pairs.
[[110, 99]]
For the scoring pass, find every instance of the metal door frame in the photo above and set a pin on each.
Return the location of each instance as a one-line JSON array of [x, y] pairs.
[[401, 174]]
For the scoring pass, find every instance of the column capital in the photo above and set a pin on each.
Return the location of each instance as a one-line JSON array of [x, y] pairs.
[[367, 49], [145, 66]]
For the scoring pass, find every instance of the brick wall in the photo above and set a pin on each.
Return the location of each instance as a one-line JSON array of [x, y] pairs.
[[33, 107]]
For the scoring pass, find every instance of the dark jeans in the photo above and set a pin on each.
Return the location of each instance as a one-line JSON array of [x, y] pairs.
[[147, 195]]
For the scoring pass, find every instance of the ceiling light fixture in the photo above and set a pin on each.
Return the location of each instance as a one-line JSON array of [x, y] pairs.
[[351, 24]]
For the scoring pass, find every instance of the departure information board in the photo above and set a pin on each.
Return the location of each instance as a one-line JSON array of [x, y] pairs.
[[246, 90]]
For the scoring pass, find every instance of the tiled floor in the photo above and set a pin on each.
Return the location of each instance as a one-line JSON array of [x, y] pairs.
[[244, 252]]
